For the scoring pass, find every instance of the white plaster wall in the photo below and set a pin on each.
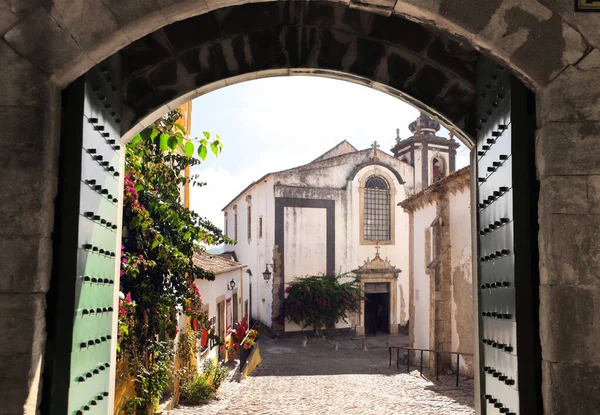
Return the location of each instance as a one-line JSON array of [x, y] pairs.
[[462, 298], [255, 252], [210, 291], [305, 238], [418, 176], [422, 220]]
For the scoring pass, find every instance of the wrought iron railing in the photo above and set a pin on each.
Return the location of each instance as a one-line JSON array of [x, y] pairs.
[[437, 359]]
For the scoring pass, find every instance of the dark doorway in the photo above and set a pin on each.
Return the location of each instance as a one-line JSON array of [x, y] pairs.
[[377, 307]]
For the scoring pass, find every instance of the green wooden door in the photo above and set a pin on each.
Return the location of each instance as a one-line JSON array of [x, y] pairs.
[[83, 296]]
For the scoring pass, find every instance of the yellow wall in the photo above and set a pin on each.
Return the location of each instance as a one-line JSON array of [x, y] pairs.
[[186, 121]]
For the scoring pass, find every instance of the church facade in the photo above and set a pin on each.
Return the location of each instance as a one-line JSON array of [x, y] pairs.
[[339, 214]]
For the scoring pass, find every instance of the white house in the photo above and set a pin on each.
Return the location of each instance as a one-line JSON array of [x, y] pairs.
[[334, 215], [440, 273], [222, 299]]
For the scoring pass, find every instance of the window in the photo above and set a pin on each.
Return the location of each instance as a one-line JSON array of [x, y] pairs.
[[376, 210], [438, 169], [260, 227], [226, 224], [249, 222], [235, 235]]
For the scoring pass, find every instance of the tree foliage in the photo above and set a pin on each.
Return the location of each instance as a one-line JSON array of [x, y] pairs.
[[320, 301], [160, 237]]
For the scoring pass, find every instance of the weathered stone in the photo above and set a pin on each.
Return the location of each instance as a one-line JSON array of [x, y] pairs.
[[403, 33], [49, 46], [401, 66], [427, 84], [567, 149], [570, 387], [12, 11], [366, 56], [29, 156], [90, 24], [26, 263], [591, 61], [8, 18], [529, 31], [190, 33], [454, 57], [556, 326], [22, 83], [176, 10], [585, 23], [570, 195], [569, 249], [571, 97], [19, 311]]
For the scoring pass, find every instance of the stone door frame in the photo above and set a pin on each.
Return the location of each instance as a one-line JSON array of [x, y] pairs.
[[392, 280]]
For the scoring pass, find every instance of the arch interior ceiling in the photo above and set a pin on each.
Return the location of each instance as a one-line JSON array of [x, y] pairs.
[[429, 65]]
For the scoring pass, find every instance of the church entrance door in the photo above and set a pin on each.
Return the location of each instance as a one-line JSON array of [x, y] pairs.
[[377, 308]]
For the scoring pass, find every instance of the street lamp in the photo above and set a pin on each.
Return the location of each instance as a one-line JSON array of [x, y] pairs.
[[231, 285]]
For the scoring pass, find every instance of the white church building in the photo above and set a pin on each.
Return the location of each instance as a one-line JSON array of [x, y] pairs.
[[338, 214]]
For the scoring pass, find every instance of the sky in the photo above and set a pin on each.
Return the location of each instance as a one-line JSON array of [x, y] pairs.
[[278, 123]]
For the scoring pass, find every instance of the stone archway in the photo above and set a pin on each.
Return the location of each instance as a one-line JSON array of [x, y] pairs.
[[45, 47]]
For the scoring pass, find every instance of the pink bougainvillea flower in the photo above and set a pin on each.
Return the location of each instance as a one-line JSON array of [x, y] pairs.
[[222, 348]]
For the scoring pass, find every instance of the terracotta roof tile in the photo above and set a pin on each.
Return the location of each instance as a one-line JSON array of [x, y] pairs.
[[217, 263]]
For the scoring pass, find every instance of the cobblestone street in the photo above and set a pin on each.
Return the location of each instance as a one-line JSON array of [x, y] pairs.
[[317, 379]]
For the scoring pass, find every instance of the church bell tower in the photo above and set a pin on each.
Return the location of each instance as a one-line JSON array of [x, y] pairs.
[[431, 157]]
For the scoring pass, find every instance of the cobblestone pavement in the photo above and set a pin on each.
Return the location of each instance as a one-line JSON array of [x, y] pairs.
[[317, 379]]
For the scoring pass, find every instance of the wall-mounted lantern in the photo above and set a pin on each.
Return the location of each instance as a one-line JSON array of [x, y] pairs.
[[266, 272], [231, 285]]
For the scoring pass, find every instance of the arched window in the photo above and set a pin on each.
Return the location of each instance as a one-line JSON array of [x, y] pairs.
[[438, 169], [376, 210]]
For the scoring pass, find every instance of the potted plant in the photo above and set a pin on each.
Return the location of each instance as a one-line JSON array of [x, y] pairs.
[[247, 345]]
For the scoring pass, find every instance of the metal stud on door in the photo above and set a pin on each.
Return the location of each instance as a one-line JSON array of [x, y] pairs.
[[507, 190], [81, 337]]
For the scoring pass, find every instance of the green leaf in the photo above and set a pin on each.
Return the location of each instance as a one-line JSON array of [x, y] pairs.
[[180, 127], [187, 235], [189, 149], [164, 142], [172, 142], [206, 134], [138, 187], [154, 243], [202, 151], [136, 140], [153, 133], [214, 146]]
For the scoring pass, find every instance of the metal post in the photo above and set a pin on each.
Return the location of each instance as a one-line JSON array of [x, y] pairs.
[[457, 367], [421, 362], [437, 365], [408, 362], [390, 350], [398, 358]]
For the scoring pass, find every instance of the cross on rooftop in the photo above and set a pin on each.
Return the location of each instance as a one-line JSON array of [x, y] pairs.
[[375, 146], [377, 249]]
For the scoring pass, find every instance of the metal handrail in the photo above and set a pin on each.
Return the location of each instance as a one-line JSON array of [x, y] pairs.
[[437, 355]]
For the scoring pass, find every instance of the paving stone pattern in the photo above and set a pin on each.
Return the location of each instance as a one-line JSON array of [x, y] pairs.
[[317, 379]]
